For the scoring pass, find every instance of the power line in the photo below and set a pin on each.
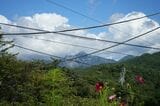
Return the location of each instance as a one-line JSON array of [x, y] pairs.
[[86, 54], [43, 53], [90, 53], [107, 24], [111, 23], [70, 44], [86, 16], [118, 43], [75, 45], [49, 55], [57, 57], [73, 11], [84, 28], [23, 27], [82, 37]]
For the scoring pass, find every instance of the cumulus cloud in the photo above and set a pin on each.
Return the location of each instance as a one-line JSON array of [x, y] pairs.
[[116, 16], [53, 22], [125, 31], [4, 19]]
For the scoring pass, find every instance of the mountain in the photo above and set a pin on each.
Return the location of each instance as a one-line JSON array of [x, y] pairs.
[[30, 57], [125, 58], [89, 60], [147, 66], [79, 62], [148, 61]]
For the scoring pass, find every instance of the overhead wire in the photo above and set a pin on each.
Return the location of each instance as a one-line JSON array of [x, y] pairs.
[[84, 28], [71, 35], [54, 56], [75, 45], [86, 16], [66, 43], [76, 12], [77, 36], [82, 55], [48, 40], [36, 51], [72, 29], [118, 43], [72, 10], [57, 57]]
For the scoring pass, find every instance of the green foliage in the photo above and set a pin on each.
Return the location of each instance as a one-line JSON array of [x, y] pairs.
[[58, 86], [38, 83]]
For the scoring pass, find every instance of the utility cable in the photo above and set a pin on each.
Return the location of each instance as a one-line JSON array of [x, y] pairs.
[[118, 43], [76, 36]]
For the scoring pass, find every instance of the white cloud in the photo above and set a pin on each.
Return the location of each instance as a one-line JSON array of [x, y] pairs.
[[4, 19], [47, 21], [131, 29], [116, 16], [53, 21]]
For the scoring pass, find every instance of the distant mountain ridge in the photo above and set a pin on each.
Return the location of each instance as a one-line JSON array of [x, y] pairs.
[[90, 60], [125, 58], [78, 62]]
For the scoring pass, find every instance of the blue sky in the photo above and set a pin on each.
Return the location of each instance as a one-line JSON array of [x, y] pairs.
[[98, 9], [44, 15]]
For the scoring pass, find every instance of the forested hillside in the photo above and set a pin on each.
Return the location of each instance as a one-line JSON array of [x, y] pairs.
[[37, 83], [80, 53], [146, 67]]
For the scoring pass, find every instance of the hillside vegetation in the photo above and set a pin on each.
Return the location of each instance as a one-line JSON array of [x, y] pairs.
[[37, 83]]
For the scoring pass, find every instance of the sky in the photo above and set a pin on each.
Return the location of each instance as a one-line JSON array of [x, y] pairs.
[[99, 9], [45, 15]]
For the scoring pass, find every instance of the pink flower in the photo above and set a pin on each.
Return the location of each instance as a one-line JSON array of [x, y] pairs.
[[99, 86], [112, 97], [139, 79]]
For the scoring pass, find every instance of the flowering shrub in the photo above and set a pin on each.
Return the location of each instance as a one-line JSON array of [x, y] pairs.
[[99, 86], [105, 98], [139, 79], [112, 97]]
